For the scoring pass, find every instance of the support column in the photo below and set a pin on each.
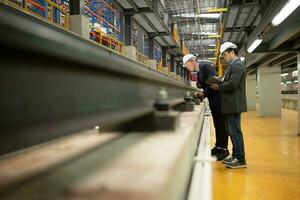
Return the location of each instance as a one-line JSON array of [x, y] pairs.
[[164, 60], [129, 49], [151, 47], [140, 43], [76, 7], [298, 104], [164, 56], [251, 92], [185, 71], [172, 70], [128, 29], [78, 23], [152, 61], [269, 91], [177, 68]]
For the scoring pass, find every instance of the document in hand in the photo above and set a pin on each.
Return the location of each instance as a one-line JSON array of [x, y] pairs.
[[212, 79]]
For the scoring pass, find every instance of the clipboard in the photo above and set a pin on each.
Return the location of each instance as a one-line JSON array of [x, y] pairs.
[[212, 80]]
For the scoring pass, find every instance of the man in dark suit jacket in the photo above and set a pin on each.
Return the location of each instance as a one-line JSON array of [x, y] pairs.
[[205, 70], [233, 101]]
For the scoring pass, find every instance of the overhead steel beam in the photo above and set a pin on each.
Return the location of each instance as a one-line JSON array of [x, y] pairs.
[[273, 9], [150, 24], [282, 59], [249, 14], [237, 29], [287, 32], [293, 60], [133, 5], [236, 18], [149, 4]]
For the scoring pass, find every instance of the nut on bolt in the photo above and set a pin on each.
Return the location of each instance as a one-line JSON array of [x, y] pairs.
[[161, 103], [188, 97]]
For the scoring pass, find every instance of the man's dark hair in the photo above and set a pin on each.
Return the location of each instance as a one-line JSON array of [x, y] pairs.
[[232, 49]]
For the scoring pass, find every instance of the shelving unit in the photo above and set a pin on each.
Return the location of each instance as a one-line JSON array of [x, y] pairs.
[[56, 11]]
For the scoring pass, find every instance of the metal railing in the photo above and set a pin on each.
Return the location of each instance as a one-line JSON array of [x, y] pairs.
[[142, 58], [108, 41], [46, 9]]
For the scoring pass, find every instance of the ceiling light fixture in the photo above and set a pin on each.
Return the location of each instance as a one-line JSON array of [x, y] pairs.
[[254, 45], [204, 15], [287, 9]]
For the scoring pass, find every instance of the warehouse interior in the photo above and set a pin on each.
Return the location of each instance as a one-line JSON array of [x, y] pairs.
[[96, 102]]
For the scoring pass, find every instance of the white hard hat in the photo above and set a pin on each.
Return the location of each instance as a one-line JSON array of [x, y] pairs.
[[226, 46], [187, 57]]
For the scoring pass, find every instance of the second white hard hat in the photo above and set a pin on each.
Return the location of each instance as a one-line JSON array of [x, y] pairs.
[[187, 57], [226, 46]]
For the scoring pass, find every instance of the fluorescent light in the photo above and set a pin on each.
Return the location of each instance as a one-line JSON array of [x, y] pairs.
[[213, 36], [284, 74], [295, 81], [255, 44], [295, 73], [206, 15], [288, 82], [210, 15], [218, 10], [287, 9], [204, 33]]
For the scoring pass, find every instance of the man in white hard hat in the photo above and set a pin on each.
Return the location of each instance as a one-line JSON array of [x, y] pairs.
[[233, 101], [205, 70]]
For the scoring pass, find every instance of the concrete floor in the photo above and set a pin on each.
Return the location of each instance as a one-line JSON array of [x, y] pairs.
[[273, 157]]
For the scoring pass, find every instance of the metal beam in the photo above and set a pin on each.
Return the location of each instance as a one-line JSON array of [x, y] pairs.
[[128, 29], [149, 4], [237, 29], [286, 33], [164, 57], [236, 18], [250, 12], [76, 7], [150, 24], [133, 5], [178, 68], [281, 59], [62, 83], [292, 60], [151, 47], [172, 57]]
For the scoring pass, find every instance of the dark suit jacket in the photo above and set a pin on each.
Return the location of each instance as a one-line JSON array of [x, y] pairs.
[[233, 88], [206, 70]]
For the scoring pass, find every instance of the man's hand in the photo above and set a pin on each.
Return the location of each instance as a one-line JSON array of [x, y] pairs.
[[214, 86], [201, 94]]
